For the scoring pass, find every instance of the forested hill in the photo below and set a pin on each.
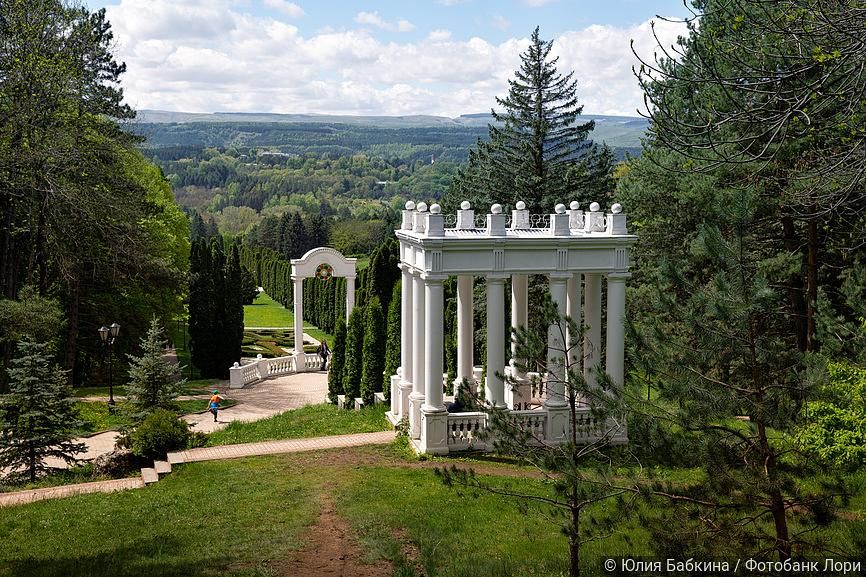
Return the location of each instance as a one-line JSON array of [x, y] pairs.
[[297, 133]]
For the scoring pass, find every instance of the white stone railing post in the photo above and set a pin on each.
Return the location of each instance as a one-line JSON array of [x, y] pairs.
[[236, 376]]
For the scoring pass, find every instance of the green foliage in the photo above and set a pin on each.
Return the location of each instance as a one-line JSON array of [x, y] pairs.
[[835, 428], [161, 431], [393, 339], [249, 287], [31, 316], [37, 420], [306, 422], [154, 381], [338, 361], [373, 351], [354, 357]]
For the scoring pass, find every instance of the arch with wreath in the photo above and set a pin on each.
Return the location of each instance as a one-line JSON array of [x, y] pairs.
[[323, 263]]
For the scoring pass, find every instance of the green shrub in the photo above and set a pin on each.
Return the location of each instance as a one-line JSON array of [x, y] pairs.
[[160, 432], [197, 439], [836, 429]]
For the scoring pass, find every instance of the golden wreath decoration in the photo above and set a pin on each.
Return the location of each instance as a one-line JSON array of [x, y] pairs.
[[324, 271]]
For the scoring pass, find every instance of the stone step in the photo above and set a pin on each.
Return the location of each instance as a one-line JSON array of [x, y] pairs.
[[378, 398], [162, 467], [149, 475], [175, 458]]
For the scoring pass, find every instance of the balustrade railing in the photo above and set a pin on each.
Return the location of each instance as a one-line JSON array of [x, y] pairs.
[[281, 366], [312, 361], [532, 422], [463, 429]]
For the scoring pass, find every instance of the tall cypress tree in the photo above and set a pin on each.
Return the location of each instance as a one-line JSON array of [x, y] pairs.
[[534, 143], [234, 311], [354, 359], [392, 341], [338, 361], [373, 350], [220, 322], [201, 306], [37, 419]]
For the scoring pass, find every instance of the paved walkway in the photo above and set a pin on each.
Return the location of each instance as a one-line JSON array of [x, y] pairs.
[[202, 454], [279, 447]]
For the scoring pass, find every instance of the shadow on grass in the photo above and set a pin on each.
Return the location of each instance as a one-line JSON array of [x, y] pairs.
[[163, 556]]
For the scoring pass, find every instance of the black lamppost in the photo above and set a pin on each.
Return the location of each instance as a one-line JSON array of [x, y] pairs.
[[108, 336]]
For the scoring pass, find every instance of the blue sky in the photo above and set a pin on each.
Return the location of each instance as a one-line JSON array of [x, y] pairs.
[[444, 57]]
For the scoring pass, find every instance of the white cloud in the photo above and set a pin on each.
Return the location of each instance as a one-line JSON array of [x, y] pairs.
[[373, 19], [290, 9], [439, 35], [500, 22], [209, 55]]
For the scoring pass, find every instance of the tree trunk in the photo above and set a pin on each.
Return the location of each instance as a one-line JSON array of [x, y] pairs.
[[574, 544], [72, 314], [777, 502], [812, 283], [796, 289]]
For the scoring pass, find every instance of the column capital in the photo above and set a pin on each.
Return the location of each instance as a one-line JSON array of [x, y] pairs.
[[618, 276], [299, 277], [560, 276], [433, 278], [496, 278]]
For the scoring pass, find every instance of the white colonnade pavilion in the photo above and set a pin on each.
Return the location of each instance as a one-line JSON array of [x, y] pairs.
[[576, 250]]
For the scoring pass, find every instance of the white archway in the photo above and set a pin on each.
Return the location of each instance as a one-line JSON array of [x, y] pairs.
[[322, 262]]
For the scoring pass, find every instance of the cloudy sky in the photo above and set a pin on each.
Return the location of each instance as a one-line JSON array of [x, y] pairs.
[[442, 57]]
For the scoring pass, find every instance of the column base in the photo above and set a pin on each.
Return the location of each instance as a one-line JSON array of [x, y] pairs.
[[404, 389], [434, 431], [557, 423], [415, 402]]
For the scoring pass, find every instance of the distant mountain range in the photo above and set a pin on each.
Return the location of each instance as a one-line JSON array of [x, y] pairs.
[[623, 132]]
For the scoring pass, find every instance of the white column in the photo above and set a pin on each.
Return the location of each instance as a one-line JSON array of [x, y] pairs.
[[592, 337], [574, 293], [465, 328], [416, 398], [495, 387], [350, 295], [299, 315], [433, 306], [519, 312], [615, 349], [556, 375], [405, 340]]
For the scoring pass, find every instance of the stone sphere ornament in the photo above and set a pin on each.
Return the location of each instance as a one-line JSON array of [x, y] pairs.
[[594, 207], [496, 209], [559, 208], [465, 205], [521, 205], [410, 205], [422, 207], [574, 205], [616, 208], [435, 209]]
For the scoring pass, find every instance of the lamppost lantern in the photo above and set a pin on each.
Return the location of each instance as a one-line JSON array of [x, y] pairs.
[[108, 335]]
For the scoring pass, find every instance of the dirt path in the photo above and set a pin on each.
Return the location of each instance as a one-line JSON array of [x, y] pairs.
[[331, 551]]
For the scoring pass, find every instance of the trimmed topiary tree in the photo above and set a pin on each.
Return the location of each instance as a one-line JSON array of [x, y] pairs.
[[392, 340], [37, 419], [354, 354], [374, 350], [338, 361]]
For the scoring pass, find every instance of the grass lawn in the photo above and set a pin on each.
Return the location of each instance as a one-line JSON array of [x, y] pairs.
[[266, 312], [310, 421], [234, 517], [204, 519], [191, 387]]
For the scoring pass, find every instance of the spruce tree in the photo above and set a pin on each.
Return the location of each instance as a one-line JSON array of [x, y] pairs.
[[154, 382], [374, 350], [354, 360], [37, 419], [535, 142], [393, 339], [338, 361]]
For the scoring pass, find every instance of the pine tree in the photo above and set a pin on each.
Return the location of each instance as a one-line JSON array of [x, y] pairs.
[[37, 419], [354, 360], [373, 350], [154, 382], [393, 340], [535, 142], [338, 361]]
